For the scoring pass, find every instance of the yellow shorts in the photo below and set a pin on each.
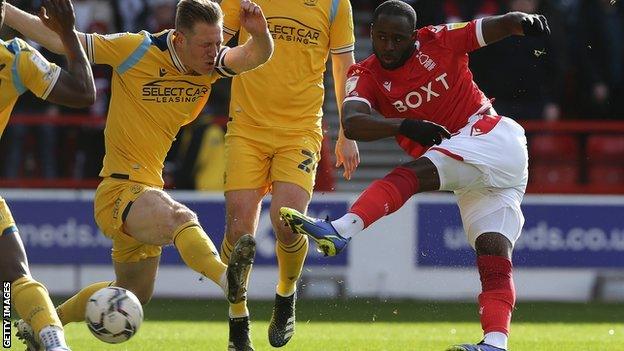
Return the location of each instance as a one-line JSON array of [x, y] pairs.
[[111, 204], [7, 223], [255, 157]]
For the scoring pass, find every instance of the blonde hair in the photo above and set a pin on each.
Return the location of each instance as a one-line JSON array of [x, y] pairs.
[[189, 12]]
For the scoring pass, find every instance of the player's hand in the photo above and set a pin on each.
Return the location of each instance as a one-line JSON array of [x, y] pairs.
[[347, 155], [252, 18], [424, 132], [534, 25], [58, 15]]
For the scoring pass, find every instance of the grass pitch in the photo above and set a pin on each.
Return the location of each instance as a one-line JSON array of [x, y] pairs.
[[375, 325]]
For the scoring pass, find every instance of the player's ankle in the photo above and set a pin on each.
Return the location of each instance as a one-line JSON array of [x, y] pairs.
[[52, 336], [348, 225], [235, 312], [496, 339]]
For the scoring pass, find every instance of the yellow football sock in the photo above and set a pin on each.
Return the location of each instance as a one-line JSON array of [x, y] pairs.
[[73, 310], [33, 304], [290, 260], [237, 309], [198, 252]]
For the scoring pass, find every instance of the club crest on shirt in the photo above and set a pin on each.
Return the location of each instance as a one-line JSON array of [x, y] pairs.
[[387, 85], [310, 2]]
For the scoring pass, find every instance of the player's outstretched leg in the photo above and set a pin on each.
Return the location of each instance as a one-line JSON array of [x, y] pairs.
[[328, 240]]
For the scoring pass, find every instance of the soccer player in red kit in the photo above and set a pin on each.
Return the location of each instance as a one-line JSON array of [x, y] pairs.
[[420, 82]]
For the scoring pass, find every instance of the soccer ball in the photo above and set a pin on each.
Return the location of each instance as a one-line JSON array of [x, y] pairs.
[[113, 314]]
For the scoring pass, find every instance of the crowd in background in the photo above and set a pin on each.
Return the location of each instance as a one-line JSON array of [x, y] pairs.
[[576, 73]]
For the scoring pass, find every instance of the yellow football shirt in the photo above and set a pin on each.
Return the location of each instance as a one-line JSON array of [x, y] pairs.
[[152, 96], [22, 68], [287, 91]]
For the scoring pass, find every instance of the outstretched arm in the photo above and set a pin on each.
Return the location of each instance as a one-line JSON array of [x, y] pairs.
[[360, 124], [347, 153], [496, 28], [259, 48], [75, 87], [34, 28]]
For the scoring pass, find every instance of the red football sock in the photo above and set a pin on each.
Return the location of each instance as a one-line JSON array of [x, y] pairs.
[[386, 195], [498, 295]]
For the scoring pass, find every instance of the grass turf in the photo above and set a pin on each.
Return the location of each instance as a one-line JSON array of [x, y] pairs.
[[360, 324]]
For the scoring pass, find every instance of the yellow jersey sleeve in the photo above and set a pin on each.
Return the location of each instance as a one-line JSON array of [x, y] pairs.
[[341, 37], [35, 73], [231, 16], [120, 51]]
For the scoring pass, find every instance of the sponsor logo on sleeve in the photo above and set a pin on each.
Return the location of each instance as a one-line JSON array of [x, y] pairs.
[[113, 36], [40, 62], [453, 26], [351, 84]]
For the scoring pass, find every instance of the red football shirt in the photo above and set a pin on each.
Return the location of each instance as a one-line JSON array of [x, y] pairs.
[[435, 84]]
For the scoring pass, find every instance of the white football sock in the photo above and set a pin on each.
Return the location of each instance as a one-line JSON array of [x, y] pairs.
[[348, 225], [496, 339], [53, 337]]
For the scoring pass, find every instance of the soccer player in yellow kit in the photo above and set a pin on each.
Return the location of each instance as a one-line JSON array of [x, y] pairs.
[[274, 137], [160, 83], [23, 68]]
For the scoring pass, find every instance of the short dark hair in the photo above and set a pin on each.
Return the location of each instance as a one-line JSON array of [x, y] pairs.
[[396, 8], [189, 12]]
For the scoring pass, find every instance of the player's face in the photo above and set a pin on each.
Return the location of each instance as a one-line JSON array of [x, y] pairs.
[[201, 46], [393, 40]]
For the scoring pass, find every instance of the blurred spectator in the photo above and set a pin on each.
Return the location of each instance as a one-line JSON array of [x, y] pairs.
[[600, 53], [41, 160], [89, 149], [197, 158], [93, 13], [460, 11], [130, 15], [162, 15], [524, 75]]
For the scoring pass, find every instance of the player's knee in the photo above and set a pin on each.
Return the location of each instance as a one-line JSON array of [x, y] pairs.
[[493, 244], [285, 235], [12, 273], [182, 215], [283, 232], [238, 226], [12, 270], [179, 216]]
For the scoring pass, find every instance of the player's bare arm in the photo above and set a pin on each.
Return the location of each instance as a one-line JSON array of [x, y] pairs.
[[361, 125], [75, 87], [347, 154], [259, 48], [33, 28], [496, 28]]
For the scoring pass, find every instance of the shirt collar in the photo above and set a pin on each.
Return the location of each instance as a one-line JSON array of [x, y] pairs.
[[174, 55]]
